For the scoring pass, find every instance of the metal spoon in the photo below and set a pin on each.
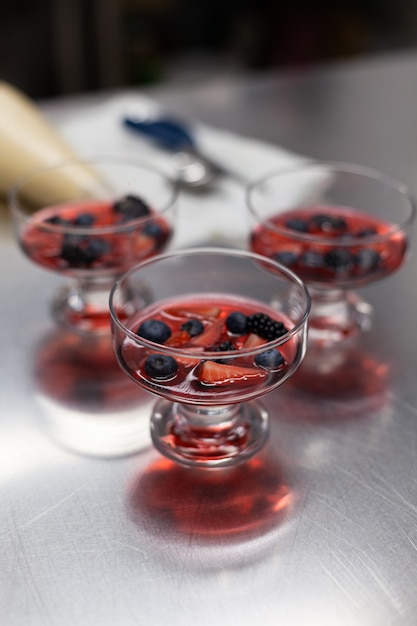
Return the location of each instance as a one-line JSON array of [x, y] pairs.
[[195, 170]]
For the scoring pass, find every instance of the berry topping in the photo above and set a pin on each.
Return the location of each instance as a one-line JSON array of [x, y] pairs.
[[160, 366], [270, 359], [286, 257], [131, 208], [74, 254], [154, 330], [311, 259], [84, 219], [264, 326], [339, 259], [367, 259], [193, 327], [225, 346], [56, 220], [369, 231], [220, 374], [296, 223], [153, 230], [236, 323], [328, 224]]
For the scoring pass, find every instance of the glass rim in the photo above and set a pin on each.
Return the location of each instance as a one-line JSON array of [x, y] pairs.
[[117, 161], [206, 250], [342, 168]]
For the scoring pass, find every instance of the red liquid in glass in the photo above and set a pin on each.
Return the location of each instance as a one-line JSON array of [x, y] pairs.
[[358, 249], [111, 251], [221, 378]]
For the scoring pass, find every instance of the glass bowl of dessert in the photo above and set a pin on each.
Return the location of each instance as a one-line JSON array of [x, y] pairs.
[[195, 327], [338, 227], [89, 220]]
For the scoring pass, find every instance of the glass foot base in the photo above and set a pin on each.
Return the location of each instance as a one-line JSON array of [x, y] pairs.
[[209, 436], [336, 318], [79, 312]]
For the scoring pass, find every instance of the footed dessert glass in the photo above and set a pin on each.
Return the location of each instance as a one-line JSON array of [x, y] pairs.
[[195, 327], [89, 221], [338, 227]]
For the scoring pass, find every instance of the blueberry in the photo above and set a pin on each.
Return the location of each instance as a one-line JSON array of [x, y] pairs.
[[311, 259], [97, 248], [56, 220], [74, 255], [84, 219], [296, 223], [153, 230], [369, 231], [286, 257], [160, 366], [270, 359], [131, 208], [154, 330], [193, 327], [367, 259], [328, 223], [236, 323], [339, 259]]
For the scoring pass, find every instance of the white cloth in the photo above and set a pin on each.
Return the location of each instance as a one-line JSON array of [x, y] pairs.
[[219, 215]]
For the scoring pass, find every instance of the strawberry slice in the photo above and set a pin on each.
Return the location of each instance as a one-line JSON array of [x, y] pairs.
[[220, 374], [201, 312], [253, 341], [210, 336], [178, 339]]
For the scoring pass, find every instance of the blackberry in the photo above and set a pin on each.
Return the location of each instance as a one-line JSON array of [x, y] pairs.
[[225, 346], [154, 330], [193, 327], [296, 223], [160, 366], [236, 323], [270, 359], [75, 254], [131, 208], [264, 326]]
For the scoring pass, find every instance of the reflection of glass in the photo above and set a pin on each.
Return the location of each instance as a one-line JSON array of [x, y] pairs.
[[337, 227], [90, 221], [232, 515], [198, 341], [87, 404]]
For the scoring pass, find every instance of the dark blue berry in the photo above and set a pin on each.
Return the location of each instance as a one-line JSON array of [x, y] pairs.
[[56, 220], [74, 254], [270, 359], [193, 327], [131, 208], [328, 223], [339, 259], [160, 366], [298, 224], [153, 230], [154, 330], [367, 259], [84, 219], [225, 346], [264, 326], [97, 248], [369, 231], [236, 323], [286, 257], [311, 259]]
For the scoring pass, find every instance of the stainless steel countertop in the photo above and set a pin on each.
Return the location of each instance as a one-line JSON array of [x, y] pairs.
[[322, 527]]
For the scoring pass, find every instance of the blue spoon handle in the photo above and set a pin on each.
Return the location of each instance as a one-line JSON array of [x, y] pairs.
[[167, 133]]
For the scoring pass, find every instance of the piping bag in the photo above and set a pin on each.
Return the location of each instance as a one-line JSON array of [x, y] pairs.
[[29, 143]]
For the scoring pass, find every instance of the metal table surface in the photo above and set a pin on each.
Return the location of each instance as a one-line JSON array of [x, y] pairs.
[[321, 528]]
